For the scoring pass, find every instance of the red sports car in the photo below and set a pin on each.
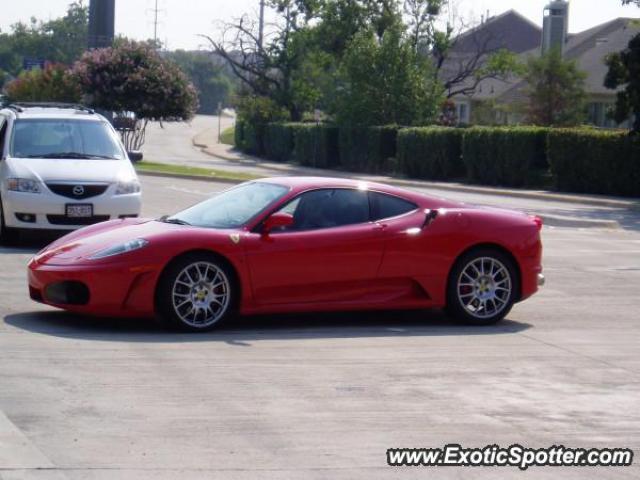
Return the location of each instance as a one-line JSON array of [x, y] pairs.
[[297, 245]]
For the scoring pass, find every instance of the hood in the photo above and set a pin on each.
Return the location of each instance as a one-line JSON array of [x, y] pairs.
[[49, 169], [78, 246]]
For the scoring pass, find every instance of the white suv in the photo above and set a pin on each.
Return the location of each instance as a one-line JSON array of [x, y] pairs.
[[62, 167]]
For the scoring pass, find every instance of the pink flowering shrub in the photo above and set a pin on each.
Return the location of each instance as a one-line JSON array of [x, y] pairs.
[[133, 77]]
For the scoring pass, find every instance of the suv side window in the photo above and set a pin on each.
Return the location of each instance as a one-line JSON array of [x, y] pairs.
[[387, 206], [327, 209]]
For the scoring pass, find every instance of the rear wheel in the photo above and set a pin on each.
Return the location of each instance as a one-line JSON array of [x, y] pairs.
[[482, 287], [7, 235], [195, 293]]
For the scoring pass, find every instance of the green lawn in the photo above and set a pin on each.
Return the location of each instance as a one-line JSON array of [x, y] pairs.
[[198, 171], [227, 136]]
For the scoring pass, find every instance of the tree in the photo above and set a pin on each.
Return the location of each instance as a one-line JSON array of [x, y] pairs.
[[213, 83], [265, 65], [132, 77], [61, 40], [624, 74], [307, 49], [385, 82], [53, 84], [294, 64], [555, 91], [422, 16]]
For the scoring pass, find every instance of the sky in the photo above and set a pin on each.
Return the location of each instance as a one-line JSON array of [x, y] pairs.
[[180, 21]]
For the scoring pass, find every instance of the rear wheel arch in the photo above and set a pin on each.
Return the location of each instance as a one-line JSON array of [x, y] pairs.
[[490, 246]]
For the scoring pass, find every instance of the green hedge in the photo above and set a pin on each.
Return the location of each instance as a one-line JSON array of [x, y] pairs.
[[506, 156], [578, 160], [368, 149], [433, 153], [316, 145], [249, 137], [279, 141], [595, 161], [238, 134]]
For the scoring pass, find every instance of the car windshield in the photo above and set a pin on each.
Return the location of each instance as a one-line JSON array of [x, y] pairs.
[[61, 138], [233, 208]]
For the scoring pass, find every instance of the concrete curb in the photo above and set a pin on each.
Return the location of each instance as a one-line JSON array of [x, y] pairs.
[[633, 204], [573, 222], [200, 178]]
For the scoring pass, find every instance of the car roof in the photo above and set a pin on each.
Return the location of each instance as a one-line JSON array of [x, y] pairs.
[[423, 200], [299, 184], [52, 111]]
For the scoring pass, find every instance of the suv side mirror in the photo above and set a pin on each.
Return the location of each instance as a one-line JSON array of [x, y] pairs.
[[135, 156], [277, 220]]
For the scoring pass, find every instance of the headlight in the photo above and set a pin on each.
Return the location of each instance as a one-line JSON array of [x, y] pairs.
[[128, 187], [24, 185], [129, 246]]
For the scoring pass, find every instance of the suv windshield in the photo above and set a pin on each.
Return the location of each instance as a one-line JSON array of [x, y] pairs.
[[61, 138], [233, 208]]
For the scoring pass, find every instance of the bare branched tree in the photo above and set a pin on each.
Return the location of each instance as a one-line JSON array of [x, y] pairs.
[[265, 67], [465, 59]]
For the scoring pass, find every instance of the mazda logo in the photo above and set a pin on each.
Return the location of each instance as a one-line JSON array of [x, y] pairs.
[[78, 190]]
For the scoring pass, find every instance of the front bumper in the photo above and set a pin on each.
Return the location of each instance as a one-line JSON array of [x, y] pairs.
[[114, 290], [46, 210]]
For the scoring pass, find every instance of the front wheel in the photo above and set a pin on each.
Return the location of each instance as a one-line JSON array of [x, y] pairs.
[[195, 293], [482, 287]]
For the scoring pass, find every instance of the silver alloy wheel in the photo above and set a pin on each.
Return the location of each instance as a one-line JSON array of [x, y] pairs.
[[201, 294], [484, 287]]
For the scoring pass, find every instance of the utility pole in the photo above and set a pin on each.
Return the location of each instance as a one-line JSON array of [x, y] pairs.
[[261, 26], [155, 24]]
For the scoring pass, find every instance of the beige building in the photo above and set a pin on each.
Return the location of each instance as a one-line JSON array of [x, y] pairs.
[[500, 101]]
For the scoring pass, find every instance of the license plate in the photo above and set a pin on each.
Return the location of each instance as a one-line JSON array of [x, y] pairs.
[[80, 210]]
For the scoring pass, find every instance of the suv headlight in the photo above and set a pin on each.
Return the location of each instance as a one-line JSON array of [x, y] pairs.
[[24, 185], [129, 246], [128, 187]]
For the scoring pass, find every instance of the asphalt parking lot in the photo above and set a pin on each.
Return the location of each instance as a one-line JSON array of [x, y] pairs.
[[323, 396]]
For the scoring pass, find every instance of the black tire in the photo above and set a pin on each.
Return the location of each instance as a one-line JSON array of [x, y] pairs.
[[213, 296], [470, 300], [8, 236]]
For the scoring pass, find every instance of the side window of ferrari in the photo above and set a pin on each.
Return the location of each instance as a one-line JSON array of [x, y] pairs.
[[387, 206], [329, 208]]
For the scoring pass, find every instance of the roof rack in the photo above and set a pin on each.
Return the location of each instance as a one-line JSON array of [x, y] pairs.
[[20, 106]]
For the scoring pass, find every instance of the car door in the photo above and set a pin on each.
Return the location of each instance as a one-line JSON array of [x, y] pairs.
[[330, 253], [400, 220]]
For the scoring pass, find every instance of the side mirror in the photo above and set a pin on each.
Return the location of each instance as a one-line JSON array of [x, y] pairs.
[[277, 220], [135, 156]]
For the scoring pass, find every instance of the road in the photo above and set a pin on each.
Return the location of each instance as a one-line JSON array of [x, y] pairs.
[[323, 396]]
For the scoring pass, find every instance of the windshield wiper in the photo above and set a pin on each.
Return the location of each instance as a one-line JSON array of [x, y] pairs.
[[72, 155], [176, 221]]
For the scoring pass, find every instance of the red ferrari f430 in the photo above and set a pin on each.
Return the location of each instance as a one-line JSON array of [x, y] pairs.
[[297, 245]]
